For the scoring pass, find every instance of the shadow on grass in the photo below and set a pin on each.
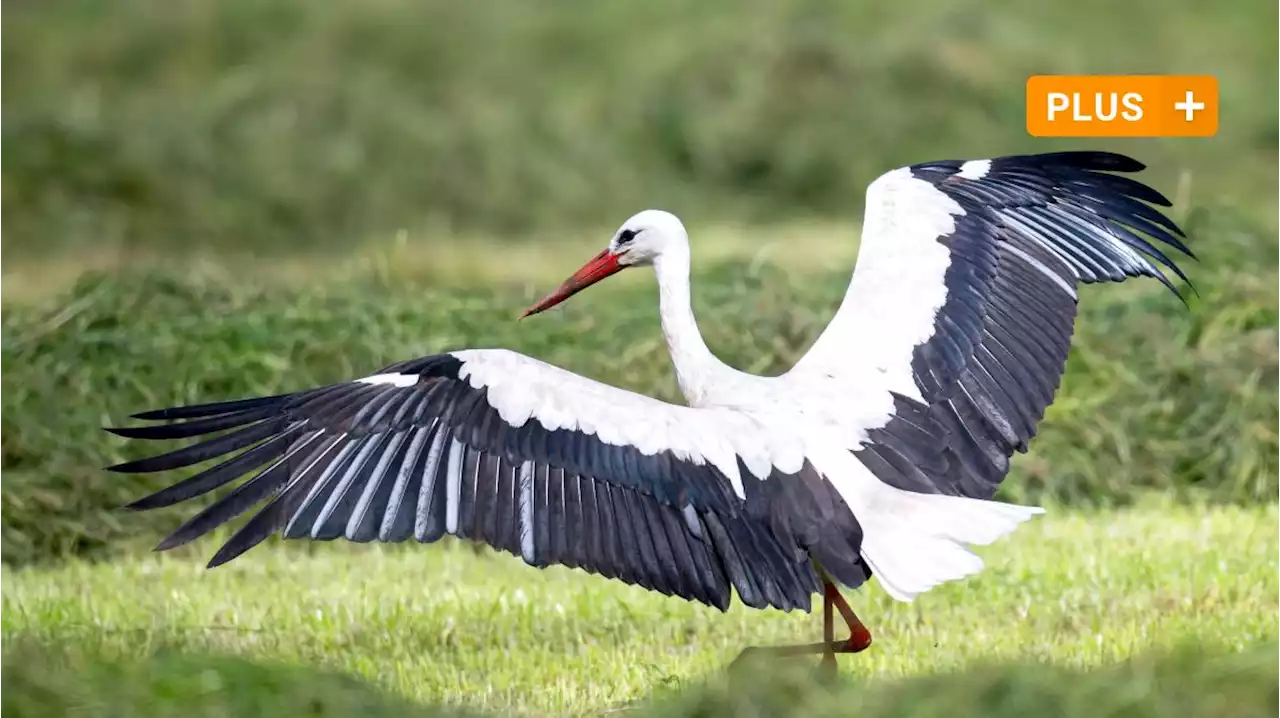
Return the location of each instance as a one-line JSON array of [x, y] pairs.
[[70, 680], [1192, 681], [64, 679]]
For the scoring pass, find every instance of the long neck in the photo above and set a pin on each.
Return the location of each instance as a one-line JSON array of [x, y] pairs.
[[696, 367]]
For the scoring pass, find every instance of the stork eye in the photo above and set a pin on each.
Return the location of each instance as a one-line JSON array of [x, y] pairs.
[[627, 235]]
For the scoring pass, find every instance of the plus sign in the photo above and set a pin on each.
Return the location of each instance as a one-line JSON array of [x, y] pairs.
[[1189, 106]]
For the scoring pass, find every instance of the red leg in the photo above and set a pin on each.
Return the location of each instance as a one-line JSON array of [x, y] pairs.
[[828, 667], [859, 636], [858, 641]]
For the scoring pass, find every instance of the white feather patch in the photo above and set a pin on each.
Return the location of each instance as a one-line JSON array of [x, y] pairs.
[[974, 169], [898, 287], [521, 388], [393, 379], [525, 489]]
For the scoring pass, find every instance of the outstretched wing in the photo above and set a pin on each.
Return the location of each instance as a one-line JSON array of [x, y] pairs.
[[963, 302], [531, 459]]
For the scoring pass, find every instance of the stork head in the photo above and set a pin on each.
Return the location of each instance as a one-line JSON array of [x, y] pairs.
[[640, 241]]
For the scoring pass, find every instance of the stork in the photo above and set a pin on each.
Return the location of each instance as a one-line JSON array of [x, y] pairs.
[[877, 454]]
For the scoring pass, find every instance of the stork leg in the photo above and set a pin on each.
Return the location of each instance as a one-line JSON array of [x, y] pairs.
[[859, 637], [828, 668]]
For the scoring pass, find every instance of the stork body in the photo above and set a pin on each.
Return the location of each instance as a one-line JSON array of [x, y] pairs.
[[877, 454]]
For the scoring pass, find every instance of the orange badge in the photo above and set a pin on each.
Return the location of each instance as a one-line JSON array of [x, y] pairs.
[[1122, 105]]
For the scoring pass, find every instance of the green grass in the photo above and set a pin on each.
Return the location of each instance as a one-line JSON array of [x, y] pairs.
[[211, 199], [293, 125], [413, 192], [444, 625], [64, 680], [1156, 397], [1195, 680]]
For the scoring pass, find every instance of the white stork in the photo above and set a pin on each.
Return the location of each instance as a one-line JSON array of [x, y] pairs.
[[877, 454]]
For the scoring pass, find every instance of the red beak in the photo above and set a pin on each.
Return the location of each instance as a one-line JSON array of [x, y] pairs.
[[600, 266]]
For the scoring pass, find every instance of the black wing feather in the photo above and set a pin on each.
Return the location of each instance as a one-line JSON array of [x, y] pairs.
[[385, 476], [1048, 222]]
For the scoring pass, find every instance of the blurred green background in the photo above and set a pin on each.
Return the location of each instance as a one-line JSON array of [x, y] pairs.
[[207, 199], [292, 125]]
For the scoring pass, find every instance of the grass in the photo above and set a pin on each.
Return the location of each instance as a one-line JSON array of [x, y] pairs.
[[170, 683], [212, 199], [285, 126], [443, 625], [1156, 397], [1195, 680], [1163, 609], [1166, 609]]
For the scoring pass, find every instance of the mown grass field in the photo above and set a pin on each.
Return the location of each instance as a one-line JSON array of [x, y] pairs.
[[218, 198], [444, 626], [1158, 397], [1164, 609]]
